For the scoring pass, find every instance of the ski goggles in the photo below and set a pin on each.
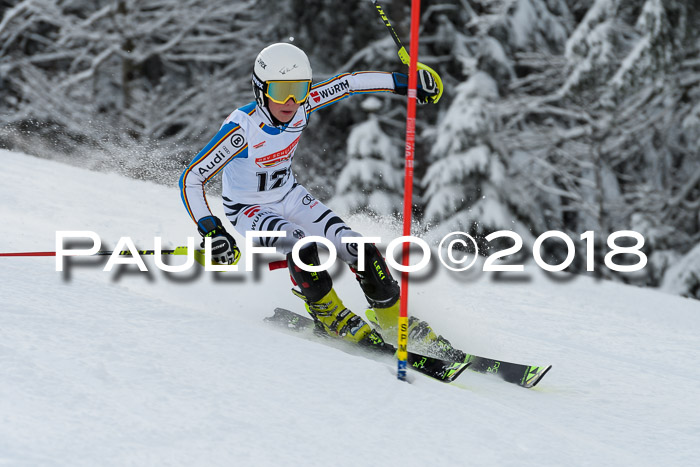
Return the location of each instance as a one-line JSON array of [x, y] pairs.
[[281, 91]]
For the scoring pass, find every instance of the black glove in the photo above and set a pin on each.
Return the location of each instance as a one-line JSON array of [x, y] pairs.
[[426, 88], [223, 245]]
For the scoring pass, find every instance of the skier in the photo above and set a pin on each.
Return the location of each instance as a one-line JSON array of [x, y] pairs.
[[254, 149]]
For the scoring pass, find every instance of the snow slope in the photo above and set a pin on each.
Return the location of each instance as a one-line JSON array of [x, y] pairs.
[[131, 368]]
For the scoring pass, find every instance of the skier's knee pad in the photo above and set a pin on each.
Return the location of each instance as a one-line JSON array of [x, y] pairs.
[[314, 285], [379, 287]]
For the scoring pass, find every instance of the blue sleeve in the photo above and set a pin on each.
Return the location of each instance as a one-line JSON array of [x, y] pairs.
[[228, 143]]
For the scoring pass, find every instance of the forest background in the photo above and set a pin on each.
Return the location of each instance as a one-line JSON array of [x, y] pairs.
[[569, 115]]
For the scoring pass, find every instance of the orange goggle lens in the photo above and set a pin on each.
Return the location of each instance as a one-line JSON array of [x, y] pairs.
[[281, 91]]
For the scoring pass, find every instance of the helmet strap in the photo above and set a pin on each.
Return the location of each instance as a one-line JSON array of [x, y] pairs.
[[275, 122], [266, 112], [263, 103]]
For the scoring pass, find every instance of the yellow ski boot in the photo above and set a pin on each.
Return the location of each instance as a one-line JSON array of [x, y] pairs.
[[382, 293], [324, 306], [335, 318], [420, 335]]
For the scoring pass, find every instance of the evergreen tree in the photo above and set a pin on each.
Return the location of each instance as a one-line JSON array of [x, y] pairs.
[[113, 78], [371, 179], [572, 115]]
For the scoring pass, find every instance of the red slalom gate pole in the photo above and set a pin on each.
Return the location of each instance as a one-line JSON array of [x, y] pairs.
[[402, 353]]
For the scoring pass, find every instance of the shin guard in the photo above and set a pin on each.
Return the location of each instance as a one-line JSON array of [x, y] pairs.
[[313, 285], [379, 287]]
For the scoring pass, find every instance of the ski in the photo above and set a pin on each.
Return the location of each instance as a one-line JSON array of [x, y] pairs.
[[441, 370], [526, 376]]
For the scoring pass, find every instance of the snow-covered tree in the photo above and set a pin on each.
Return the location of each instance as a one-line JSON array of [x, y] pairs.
[[463, 184], [117, 76], [468, 185], [372, 177], [571, 115], [683, 275]]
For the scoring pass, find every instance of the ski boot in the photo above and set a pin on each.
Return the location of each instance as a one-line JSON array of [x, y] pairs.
[[326, 308], [382, 293], [420, 334]]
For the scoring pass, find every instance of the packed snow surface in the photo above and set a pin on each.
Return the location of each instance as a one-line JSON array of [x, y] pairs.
[[133, 368]]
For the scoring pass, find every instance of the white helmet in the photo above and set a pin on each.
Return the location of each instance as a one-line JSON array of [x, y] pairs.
[[279, 62]]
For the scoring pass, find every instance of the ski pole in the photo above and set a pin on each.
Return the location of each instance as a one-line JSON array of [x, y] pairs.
[[180, 250], [199, 254], [403, 54]]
